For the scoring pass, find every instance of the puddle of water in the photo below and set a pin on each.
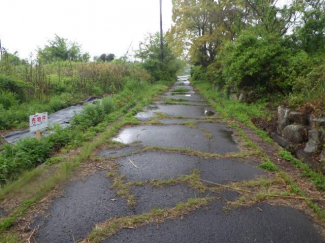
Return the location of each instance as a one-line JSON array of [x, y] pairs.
[[145, 115], [179, 136], [126, 136], [208, 113], [111, 153], [228, 135], [187, 82], [151, 107]]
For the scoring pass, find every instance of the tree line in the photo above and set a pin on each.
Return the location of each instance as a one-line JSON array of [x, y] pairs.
[[263, 48]]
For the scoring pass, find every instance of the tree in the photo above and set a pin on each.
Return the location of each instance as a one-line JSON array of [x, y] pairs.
[[60, 49], [311, 32], [150, 55], [202, 26], [105, 57]]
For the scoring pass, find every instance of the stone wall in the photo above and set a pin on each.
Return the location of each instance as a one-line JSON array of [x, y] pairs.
[[303, 134]]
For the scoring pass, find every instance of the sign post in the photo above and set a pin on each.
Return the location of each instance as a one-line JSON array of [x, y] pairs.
[[38, 122]]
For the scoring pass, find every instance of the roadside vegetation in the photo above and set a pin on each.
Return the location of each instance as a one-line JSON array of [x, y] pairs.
[[62, 75], [262, 50]]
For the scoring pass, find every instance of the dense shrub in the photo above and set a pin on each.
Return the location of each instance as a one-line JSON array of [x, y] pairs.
[[256, 62], [108, 105], [26, 154], [60, 137], [198, 73], [150, 54], [93, 114], [262, 65], [14, 85], [7, 99], [310, 90]]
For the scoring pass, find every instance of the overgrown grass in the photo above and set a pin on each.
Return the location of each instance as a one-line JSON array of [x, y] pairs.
[[28, 153], [25, 90], [64, 169], [316, 177], [244, 113], [269, 166], [17, 115], [228, 108]]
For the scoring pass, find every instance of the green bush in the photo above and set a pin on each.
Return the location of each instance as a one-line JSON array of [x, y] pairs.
[[26, 154], [310, 90], [93, 114], [14, 85], [7, 99], [90, 116], [60, 137], [108, 105], [198, 73]]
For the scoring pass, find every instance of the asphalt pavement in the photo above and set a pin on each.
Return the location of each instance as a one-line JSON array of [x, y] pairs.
[[148, 154]]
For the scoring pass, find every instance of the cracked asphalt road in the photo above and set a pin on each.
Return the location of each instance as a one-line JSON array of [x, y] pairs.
[[84, 203]]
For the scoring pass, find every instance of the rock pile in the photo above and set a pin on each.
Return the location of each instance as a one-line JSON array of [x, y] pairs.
[[297, 128]]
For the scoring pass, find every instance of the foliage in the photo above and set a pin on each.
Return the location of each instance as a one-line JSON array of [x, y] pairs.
[[23, 156], [105, 58], [150, 54], [29, 153], [311, 33], [18, 114], [201, 27], [57, 85], [7, 99], [262, 64], [14, 85], [59, 49], [309, 90], [91, 115], [246, 47]]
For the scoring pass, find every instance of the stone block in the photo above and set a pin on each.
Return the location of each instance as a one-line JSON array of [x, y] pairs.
[[318, 123], [282, 118], [295, 133], [322, 156], [314, 141], [295, 117]]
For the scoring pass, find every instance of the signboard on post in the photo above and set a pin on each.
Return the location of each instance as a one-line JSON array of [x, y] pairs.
[[38, 122]]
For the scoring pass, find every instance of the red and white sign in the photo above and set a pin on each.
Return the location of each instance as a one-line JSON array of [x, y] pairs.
[[38, 121]]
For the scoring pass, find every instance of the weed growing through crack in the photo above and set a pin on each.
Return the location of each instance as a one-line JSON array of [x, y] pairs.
[[180, 90], [175, 100], [122, 188], [64, 169], [230, 109], [105, 230], [269, 166]]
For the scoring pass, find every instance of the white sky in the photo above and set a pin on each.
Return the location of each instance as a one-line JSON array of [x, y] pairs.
[[100, 26]]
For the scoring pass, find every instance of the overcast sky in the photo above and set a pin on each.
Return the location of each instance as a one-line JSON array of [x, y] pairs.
[[100, 26]]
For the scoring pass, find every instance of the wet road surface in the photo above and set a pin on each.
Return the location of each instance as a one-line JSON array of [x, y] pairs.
[[147, 154]]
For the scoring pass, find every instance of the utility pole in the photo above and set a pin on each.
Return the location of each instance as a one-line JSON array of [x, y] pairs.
[[0, 50], [161, 34]]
